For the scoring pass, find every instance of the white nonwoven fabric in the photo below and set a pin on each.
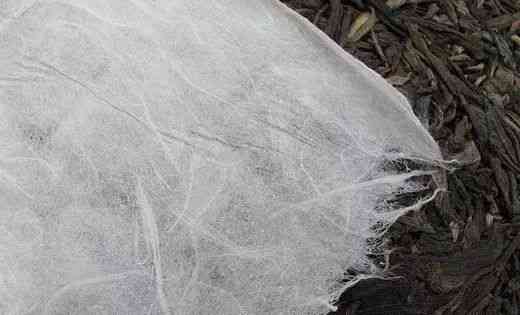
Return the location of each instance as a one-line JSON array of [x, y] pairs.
[[189, 157]]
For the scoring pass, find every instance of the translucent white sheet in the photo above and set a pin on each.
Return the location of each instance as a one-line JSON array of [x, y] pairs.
[[188, 157]]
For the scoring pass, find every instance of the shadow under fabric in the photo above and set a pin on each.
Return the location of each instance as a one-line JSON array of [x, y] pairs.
[[191, 157]]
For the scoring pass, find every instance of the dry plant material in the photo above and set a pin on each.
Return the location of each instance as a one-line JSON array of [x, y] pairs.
[[361, 26]]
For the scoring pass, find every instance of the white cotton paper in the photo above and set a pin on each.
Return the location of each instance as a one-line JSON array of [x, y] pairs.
[[189, 157]]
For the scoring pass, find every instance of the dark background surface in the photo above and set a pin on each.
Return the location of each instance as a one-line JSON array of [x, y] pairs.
[[457, 62]]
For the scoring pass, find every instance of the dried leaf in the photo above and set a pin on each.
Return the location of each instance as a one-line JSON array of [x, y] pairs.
[[361, 26], [516, 39], [394, 4], [460, 57], [397, 80], [476, 68], [461, 7], [480, 79]]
